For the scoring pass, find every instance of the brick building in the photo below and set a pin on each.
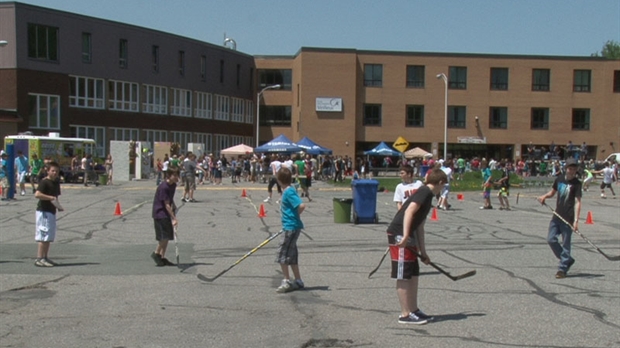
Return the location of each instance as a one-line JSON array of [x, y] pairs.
[[88, 77]]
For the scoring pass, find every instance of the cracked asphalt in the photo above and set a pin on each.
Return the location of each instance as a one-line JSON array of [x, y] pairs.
[[107, 292]]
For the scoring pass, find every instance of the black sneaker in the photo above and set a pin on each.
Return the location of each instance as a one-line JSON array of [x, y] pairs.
[[158, 260], [412, 319], [423, 315], [167, 262]]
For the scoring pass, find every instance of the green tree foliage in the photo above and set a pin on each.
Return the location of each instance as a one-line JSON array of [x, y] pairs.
[[611, 50]]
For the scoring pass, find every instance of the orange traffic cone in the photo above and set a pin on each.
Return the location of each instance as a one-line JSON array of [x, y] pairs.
[[261, 212], [434, 215], [386, 191], [243, 193], [589, 220], [117, 211], [459, 196]]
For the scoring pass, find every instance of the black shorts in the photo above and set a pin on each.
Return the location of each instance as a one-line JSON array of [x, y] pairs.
[[273, 182], [163, 229], [404, 260]]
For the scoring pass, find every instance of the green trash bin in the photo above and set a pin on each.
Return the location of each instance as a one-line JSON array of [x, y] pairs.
[[342, 210], [103, 179]]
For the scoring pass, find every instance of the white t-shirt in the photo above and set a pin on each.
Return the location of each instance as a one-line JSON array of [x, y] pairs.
[[608, 175], [275, 166], [404, 191]]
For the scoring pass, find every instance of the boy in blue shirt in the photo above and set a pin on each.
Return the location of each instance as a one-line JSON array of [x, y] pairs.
[[291, 208]]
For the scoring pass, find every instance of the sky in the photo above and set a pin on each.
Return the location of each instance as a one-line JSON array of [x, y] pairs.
[[282, 27]]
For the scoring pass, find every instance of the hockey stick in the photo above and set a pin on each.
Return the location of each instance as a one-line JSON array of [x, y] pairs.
[[462, 276], [380, 263], [176, 246], [610, 258], [204, 278]]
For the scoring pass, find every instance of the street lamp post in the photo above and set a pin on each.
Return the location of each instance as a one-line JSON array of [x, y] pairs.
[[258, 108], [445, 128]]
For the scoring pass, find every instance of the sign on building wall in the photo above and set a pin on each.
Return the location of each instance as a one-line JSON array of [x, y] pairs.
[[329, 104]]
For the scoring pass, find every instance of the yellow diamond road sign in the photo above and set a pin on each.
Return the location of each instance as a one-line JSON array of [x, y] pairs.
[[400, 144]]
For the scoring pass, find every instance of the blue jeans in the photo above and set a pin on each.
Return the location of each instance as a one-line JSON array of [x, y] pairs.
[[561, 251]]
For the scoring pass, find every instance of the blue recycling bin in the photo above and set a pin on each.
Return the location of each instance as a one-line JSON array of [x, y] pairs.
[[365, 201], [423, 170]]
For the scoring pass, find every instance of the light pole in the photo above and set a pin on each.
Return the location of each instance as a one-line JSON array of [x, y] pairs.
[[445, 128], [258, 108]]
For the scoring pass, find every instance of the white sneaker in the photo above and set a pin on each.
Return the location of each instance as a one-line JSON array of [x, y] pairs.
[[267, 199], [286, 286], [23, 193]]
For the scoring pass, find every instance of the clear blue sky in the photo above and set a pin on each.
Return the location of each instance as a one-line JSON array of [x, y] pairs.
[[282, 27]]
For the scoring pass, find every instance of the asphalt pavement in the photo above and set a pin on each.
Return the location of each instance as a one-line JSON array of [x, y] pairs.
[[107, 291]]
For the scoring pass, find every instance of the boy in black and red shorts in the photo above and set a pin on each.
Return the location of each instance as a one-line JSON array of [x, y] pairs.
[[406, 238]]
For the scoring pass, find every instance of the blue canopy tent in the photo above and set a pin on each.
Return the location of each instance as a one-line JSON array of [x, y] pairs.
[[382, 150], [279, 144], [313, 148]]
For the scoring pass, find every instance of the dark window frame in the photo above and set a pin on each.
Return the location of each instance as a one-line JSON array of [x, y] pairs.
[[123, 53], [270, 77], [87, 47], [456, 118], [582, 80], [373, 75], [498, 117], [499, 79], [539, 119], [416, 76], [457, 77], [275, 115], [414, 116], [580, 120], [616, 86], [541, 80], [182, 63], [372, 115], [43, 42], [155, 58]]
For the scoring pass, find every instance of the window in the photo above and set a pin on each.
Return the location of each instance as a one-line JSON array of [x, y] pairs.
[[155, 58], [236, 140], [238, 110], [203, 68], [581, 80], [87, 48], [42, 42], [182, 63], [581, 119], [123, 96], [249, 113], [456, 116], [499, 79], [415, 116], [44, 111], [372, 115], [95, 133], [373, 75], [541, 79], [86, 92], [122, 54], [498, 117], [415, 76], [275, 115], [124, 134], [204, 105], [155, 100], [181, 102], [155, 135], [183, 138], [207, 140], [221, 142], [616, 81], [270, 77], [222, 108], [540, 118], [221, 71], [457, 78]]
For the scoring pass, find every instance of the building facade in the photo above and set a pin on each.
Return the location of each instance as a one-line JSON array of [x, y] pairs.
[[497, 104], [85, 77]]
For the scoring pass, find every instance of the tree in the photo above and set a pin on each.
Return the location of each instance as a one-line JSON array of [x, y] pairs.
[[611, 50]]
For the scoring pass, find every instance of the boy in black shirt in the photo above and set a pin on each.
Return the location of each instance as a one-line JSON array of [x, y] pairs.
[[47, 193], [406, 238], [568, 206]]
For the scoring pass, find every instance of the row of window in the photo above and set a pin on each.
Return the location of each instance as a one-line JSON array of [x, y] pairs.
[[457, 78], [88, 92], [212, 143], [457, 117], [43, 43]]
